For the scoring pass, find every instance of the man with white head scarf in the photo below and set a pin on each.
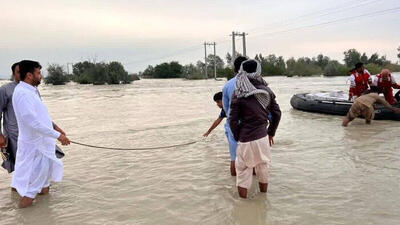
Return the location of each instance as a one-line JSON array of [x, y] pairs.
[[252, 102]]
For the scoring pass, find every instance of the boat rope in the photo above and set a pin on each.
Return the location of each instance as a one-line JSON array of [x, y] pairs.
[[134, 149]]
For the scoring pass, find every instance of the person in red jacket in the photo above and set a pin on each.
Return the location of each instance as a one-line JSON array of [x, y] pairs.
[[360, 79], [384, 83]]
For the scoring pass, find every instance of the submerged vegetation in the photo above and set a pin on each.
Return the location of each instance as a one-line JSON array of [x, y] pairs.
[[273, 65], [88, 72]]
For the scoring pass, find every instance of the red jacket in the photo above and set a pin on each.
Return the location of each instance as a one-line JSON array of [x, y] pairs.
[[359, 83], [386, 87]]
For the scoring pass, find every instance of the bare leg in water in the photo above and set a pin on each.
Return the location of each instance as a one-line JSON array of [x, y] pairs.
[[25, 202], [263, 187], [45, 191], [233, 169], [242, 192]]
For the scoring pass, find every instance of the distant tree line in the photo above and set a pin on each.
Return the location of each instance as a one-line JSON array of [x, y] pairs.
[[190, 71], [87, 72], [273, 65]]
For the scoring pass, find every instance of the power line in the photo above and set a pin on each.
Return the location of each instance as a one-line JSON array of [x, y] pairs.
[[196, 47], [319, 14], [375, 13]]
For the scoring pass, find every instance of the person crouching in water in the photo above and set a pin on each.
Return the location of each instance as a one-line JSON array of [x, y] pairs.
[[248, 120], [364, 106]]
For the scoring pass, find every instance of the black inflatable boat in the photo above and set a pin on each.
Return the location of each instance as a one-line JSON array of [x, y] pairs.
[[340, 106]]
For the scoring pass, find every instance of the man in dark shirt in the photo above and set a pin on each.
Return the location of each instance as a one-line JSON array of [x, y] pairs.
[[253, 100], [222, 115]]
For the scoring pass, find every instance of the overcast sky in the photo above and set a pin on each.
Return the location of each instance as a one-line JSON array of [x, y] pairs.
[[139, 33]]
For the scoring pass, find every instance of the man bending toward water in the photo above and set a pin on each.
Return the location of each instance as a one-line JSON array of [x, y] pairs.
[[36, 164], [364, 106], [222, 114]]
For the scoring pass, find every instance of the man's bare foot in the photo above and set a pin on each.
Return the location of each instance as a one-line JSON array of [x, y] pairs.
[[263, 187], [345, 121], [25, 202], [242, 192], [233, 169], [45, 191]]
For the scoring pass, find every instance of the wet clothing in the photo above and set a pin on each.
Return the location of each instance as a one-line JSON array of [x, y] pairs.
[[254, 154], [359, 83], [36, 164], [364, 106], [386, 87], [251, 105], [253, 117], [227, 92], [10, 125]]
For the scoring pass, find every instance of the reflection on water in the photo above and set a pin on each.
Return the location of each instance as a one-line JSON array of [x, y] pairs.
[[321, 172]]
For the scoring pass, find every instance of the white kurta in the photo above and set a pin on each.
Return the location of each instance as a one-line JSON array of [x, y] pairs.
[[36, 163]]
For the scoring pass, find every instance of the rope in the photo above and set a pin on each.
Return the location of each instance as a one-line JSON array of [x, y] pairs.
[[134, 149]]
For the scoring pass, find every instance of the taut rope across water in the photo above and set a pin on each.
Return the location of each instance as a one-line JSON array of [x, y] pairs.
[[134, 149]]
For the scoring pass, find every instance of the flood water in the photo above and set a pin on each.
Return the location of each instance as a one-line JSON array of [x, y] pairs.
[[321, 173]]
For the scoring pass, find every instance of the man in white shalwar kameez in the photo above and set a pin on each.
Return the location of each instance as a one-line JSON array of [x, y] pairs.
[[36, 163]]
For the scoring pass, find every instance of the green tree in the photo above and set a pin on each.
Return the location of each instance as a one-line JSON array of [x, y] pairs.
[[97, 75], [228, 57], [148, 72], [193, 72], [210, 64], [168, 70], [56, 75], [302, 67], [351, 57], [373, 68], [334, 68], [364, 58], [272, 65], [117, 74], [322, 61], [79, 68]]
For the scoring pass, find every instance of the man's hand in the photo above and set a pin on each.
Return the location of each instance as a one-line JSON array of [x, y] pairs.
[[3, 141], [206, 134], [59, 129], [63, 139], [271, 140]]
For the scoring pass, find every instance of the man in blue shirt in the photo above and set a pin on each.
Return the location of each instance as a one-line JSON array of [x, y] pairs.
[[227, 92]]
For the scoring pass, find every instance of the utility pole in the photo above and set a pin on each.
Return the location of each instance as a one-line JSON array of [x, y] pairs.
[[244, 44], [233, 47], [205, 59], [234, 34], [215, 62]]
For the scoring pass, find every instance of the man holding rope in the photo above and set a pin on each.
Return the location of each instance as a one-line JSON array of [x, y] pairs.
[[36, 163]]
